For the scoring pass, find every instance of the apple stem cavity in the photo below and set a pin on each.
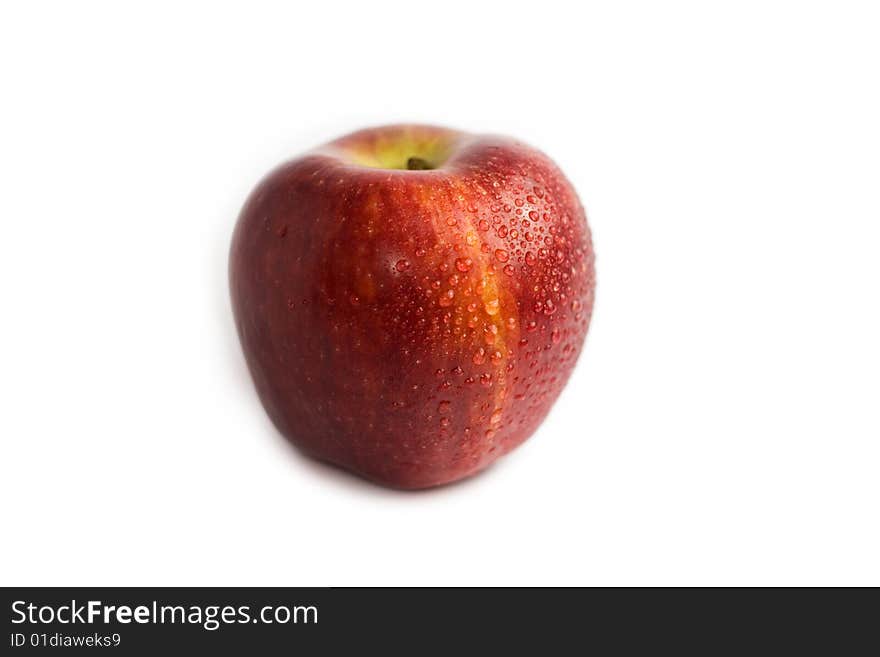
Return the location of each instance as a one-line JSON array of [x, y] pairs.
[[417, 164]]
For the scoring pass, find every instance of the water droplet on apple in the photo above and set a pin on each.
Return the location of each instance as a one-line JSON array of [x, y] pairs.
[[444, 406], [446, 298], [496, 416], [492, 307], [464, 264], [402, 265], [502, 255], [479, 356]]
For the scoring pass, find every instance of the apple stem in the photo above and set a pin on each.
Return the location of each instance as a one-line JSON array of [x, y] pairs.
[[417, 164]]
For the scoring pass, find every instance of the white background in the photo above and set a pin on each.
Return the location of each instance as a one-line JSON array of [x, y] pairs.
[[722, 424]]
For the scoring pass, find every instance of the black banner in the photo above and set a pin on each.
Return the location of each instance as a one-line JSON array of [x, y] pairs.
[[319, 621]]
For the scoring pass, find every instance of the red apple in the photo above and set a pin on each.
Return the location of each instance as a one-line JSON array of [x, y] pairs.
[[411, 299]]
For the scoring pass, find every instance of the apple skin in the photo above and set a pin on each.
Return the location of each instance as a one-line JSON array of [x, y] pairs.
[[412, 326]]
